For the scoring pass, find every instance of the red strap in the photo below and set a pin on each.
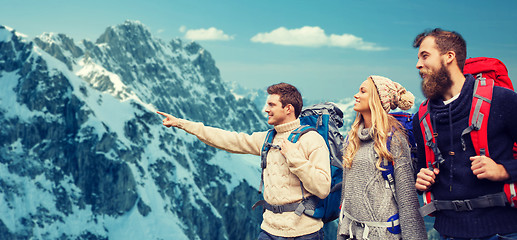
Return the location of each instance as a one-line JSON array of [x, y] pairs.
[[510, 190], [483, 97], [423, 115]]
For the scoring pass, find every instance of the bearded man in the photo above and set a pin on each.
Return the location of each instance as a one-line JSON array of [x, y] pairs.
[[464, 177]]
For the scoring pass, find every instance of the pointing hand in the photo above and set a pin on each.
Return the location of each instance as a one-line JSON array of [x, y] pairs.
[[169, 121]]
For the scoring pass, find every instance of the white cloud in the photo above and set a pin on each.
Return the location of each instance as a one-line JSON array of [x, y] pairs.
[[209, 34], [308, 36], [160, 31], [183, 29], [305, 36]]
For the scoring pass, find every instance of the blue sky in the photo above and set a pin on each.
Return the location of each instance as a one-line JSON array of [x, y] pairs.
[[325, 48]]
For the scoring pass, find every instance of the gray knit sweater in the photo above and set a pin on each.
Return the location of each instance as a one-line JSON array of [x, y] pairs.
[[367, 198]]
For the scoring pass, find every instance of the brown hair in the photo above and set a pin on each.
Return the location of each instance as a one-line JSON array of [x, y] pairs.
[[446, 41], [288, 95]]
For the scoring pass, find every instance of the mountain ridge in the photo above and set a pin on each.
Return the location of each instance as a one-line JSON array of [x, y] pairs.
[[79, 130]]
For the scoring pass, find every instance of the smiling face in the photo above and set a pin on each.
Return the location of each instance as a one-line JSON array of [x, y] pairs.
[[429, 57], [276, 113], [362, 98], [436, 79]]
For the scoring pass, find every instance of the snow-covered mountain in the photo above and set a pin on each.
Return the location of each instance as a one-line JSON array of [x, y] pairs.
[[83, 154]]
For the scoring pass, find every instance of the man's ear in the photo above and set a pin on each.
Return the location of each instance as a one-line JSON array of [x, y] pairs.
[[450, 57], [289, 108]]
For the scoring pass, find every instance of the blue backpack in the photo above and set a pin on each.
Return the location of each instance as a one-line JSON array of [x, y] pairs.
[[406, 120], [326, 119]]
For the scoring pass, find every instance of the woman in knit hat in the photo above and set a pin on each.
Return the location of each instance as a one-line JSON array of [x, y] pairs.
[[373, 207]]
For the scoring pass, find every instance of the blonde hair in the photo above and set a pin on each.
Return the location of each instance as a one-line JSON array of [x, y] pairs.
[[383, 125]]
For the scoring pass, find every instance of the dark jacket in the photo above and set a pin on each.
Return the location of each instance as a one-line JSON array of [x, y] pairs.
[[456, 180]]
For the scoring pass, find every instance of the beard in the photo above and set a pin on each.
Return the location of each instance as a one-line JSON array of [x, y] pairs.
[[436, 84]]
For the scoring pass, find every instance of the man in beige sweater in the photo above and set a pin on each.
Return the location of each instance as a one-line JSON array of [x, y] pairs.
[[289, 167]]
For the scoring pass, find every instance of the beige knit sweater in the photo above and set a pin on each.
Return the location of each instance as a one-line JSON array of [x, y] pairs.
[[309, 163]]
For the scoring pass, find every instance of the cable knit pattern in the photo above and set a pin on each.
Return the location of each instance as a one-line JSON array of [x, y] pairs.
[[367, 198], [308, 164], [392, 94]]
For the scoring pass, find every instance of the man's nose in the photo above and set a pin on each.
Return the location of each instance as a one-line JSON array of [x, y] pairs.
[[419, 64]]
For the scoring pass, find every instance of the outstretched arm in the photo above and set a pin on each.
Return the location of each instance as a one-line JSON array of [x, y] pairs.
[[225, 140]]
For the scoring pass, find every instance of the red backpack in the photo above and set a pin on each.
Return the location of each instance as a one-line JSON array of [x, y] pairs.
[[489, 72], [490, 68]]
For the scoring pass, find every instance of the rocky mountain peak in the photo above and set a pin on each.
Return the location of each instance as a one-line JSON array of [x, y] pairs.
[[129, 30], [78, 130]]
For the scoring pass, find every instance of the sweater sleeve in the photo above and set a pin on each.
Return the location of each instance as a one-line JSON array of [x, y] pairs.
[[340, 225], [232, 142], [507, 107], [311, 164], [411, 223]]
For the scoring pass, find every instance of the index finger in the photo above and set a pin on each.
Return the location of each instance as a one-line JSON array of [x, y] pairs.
[[426, 171], [161, 113], [474, 158]]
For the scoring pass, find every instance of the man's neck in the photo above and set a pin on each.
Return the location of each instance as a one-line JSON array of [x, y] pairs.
[[288, 119], [458, 79]]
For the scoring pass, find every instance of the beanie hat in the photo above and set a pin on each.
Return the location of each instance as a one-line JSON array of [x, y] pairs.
[[392, 94]]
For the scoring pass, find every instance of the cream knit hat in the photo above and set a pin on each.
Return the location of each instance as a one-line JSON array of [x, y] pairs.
[[392, 94]]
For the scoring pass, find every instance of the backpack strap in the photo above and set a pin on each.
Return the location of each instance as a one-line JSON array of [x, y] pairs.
[[393, 224], [433, 157], [478, 119], [480, 110], [485, 201], [299, 207], [388, 174], [305, 206], [294, 137], [510, 190], [268, 143], [432, 153], [290, 207], [298, 132]]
